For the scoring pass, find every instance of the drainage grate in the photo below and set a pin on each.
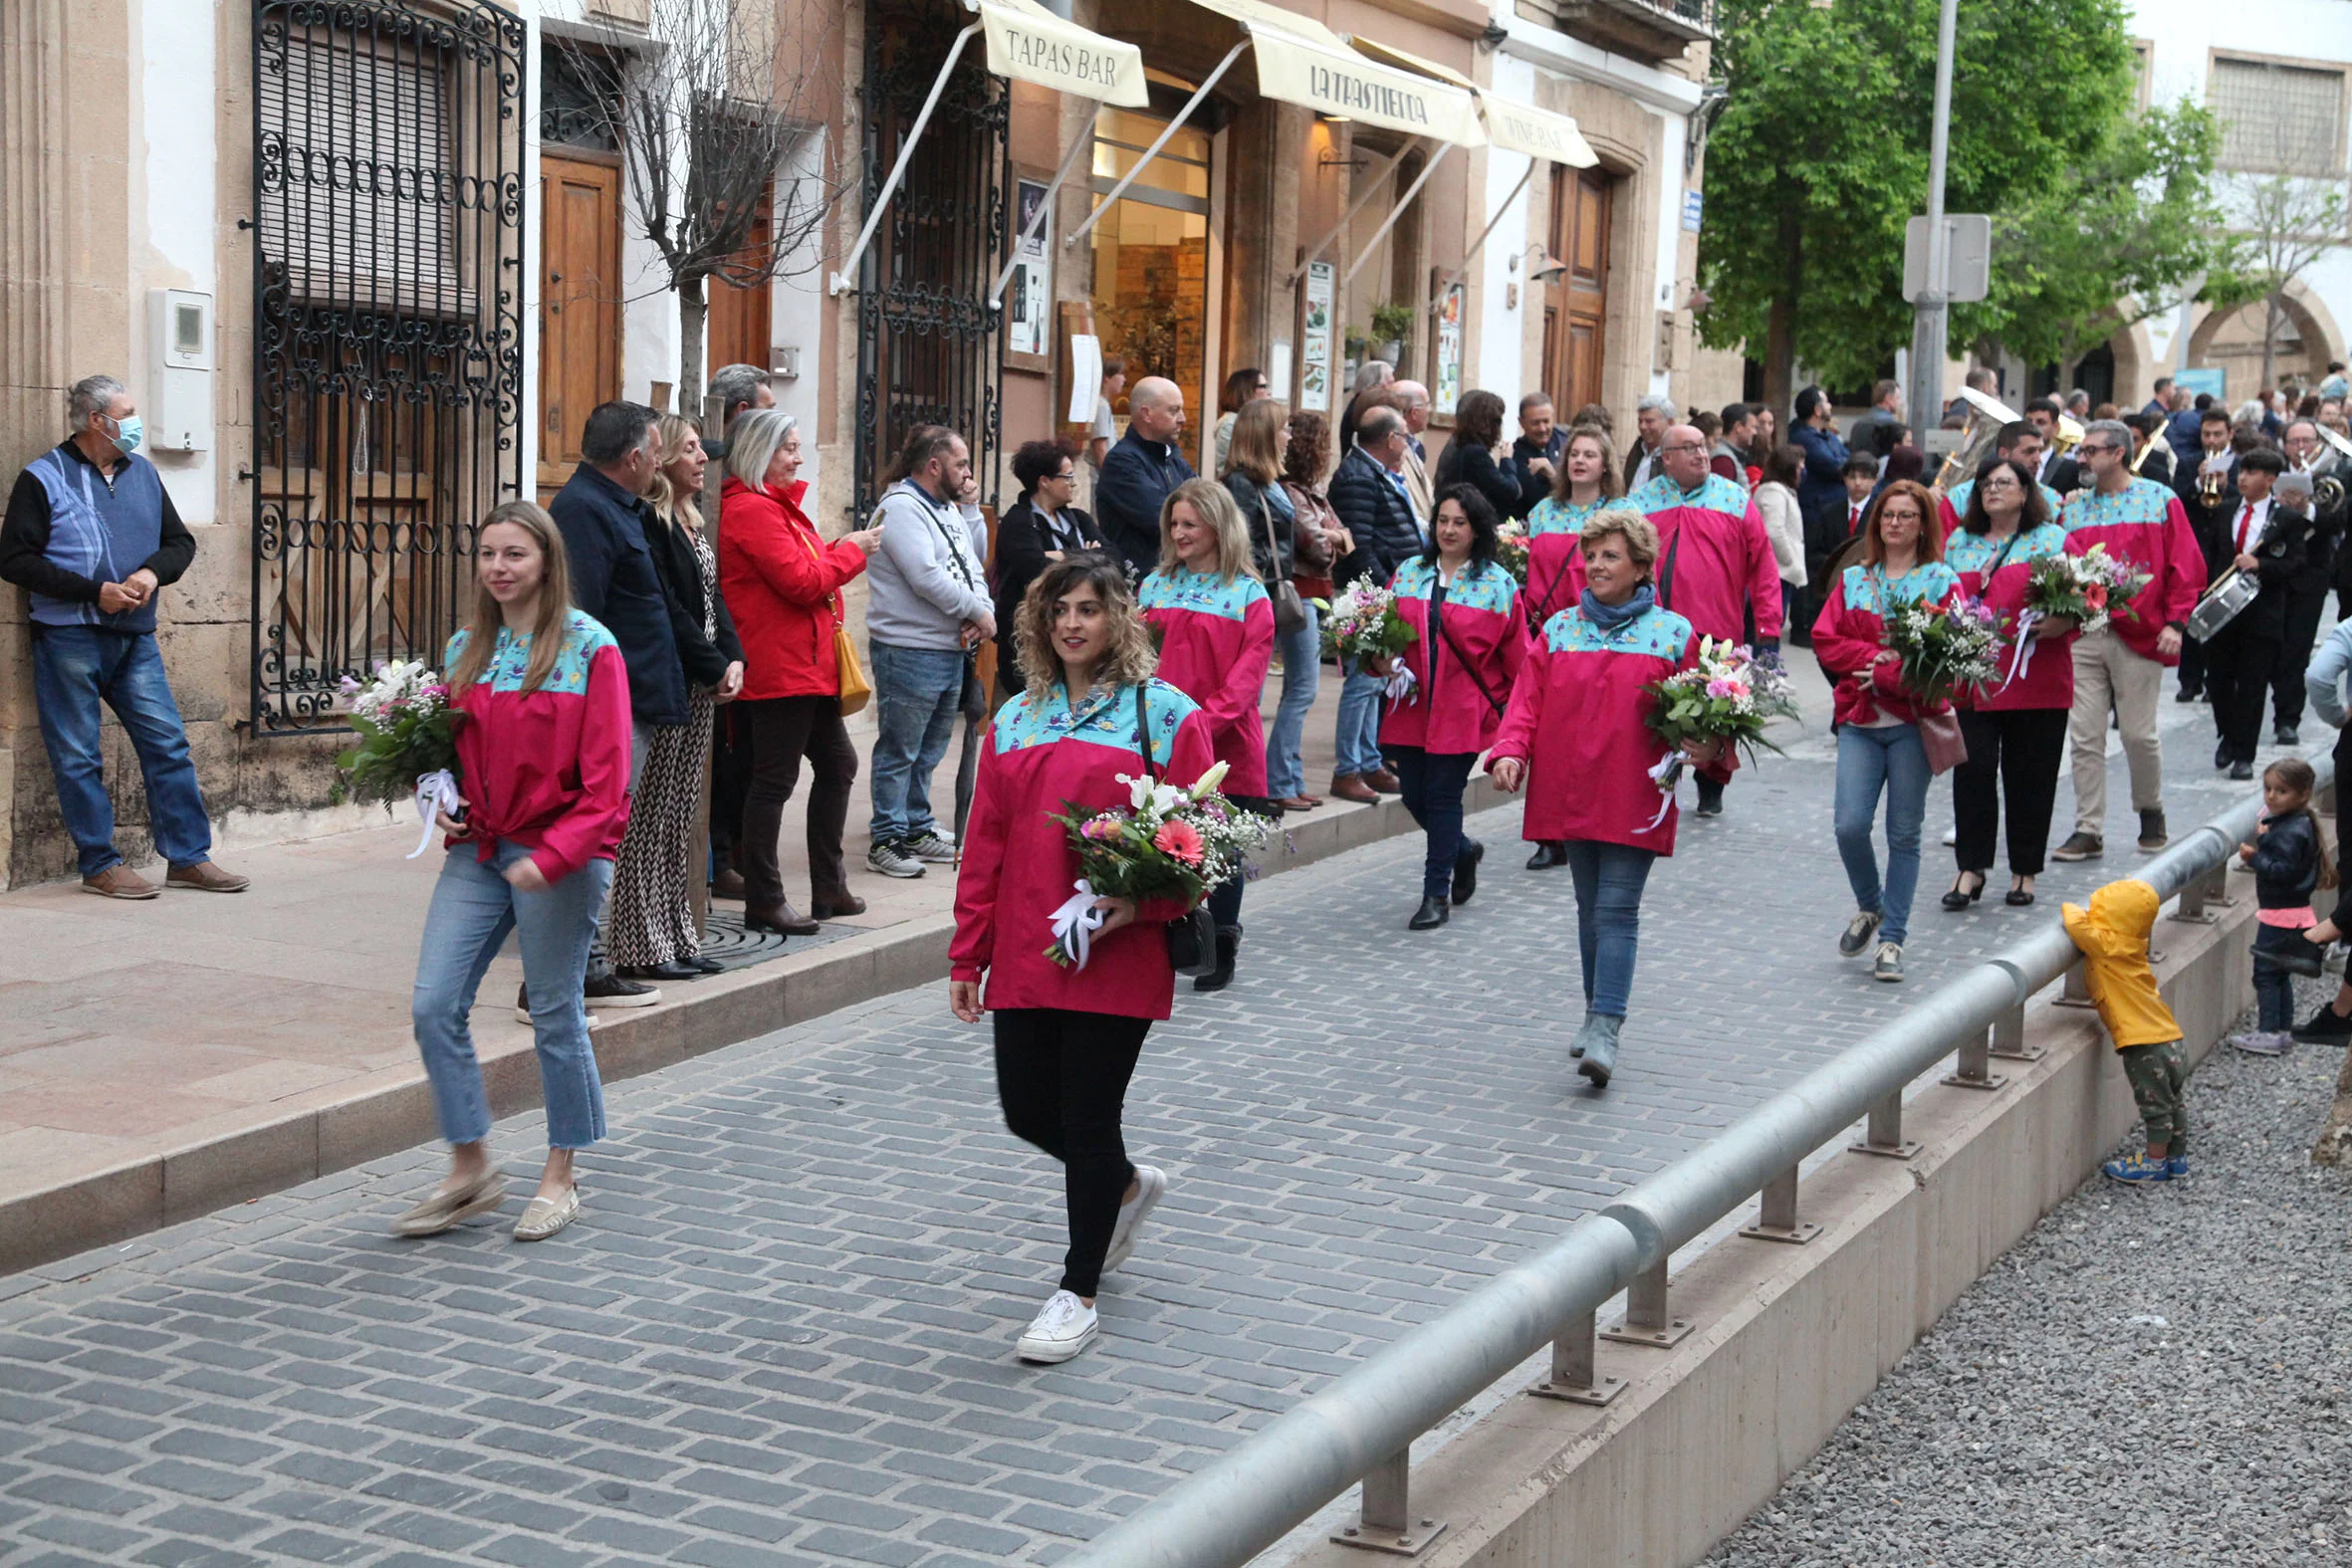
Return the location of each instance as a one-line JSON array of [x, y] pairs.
[[725, 942]]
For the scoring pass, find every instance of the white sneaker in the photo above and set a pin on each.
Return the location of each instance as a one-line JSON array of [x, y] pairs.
[[1951, 837], [1889, 963], [1152, 1185], [1063, 1327], [2262, 1043]]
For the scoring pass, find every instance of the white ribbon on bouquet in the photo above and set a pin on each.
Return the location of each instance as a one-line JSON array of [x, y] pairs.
[[1666, 773], [1400, 684], [2022, 656], [437, 791], [1077, 920]]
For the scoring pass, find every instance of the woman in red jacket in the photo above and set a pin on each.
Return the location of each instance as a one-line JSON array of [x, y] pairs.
[[784, 587], [1468, 644], [2017, 728], [1578, 735], [1215, 627], [1877, 718], [543, 759], [1068, 1039]]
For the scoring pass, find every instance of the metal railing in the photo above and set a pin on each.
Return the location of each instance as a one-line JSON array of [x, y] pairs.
[[1362, 1427]]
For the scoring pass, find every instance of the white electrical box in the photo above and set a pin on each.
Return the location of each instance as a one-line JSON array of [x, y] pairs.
[[177, 400], [784, 363]]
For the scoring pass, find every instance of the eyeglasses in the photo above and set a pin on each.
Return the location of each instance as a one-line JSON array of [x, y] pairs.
[[1669, 451], [2098, 446], [1068, 473]]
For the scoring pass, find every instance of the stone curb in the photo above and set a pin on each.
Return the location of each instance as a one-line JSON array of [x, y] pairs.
[[1787, 1340], [313, 1134]]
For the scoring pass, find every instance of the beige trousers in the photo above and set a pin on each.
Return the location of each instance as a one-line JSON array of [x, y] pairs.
[[2108, 673]]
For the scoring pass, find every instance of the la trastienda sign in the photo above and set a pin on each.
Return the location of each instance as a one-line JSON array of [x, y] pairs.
[[1357, 95]]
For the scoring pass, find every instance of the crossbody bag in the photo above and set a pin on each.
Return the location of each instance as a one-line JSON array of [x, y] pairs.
[[850, 675]]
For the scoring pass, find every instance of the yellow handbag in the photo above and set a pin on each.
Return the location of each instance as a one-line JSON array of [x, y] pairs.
[[855, 689]]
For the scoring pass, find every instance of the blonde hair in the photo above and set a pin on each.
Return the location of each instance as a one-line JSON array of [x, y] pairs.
[[555, 603], [1257, 447], [1639, 534], [1127, 659], [671, 505], [1612, 477], [1213, 504]]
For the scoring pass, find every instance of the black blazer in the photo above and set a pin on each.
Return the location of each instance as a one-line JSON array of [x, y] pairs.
[[1474, 466], [1023, 536], [1376, 514], [1272, 546], [615, 582], [2279, 552], [705, 658]]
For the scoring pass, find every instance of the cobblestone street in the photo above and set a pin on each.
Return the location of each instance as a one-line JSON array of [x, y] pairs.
[[782, 1332]]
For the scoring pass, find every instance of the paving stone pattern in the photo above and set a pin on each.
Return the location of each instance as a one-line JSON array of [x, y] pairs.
[[782, 1332]]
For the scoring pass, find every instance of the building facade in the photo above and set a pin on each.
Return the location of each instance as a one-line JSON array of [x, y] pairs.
[[367, 265]]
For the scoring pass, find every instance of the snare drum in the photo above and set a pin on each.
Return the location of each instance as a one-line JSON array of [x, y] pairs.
[[2223, 602]]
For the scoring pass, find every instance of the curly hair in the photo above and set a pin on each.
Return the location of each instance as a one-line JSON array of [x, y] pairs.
[[1128, 657], [1308, 457]]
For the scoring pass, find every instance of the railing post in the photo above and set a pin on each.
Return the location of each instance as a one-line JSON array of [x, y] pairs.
[[1574, 1370], [2192, 910], [1646, 1320], [1778, 1221], [1386, 1522], [1976, 1057], [2009, 1030], [1884, 1136], [2076, 992]]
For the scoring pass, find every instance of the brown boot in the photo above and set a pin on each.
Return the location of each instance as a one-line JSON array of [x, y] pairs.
[[1351, 786], [727, 884], [205, 877], [779, 917], [836, 905], [1384, 782], [119, 881]]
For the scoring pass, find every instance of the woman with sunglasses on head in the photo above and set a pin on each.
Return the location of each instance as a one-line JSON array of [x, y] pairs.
[[1090, 719], [2016, 727], [1469, 641]]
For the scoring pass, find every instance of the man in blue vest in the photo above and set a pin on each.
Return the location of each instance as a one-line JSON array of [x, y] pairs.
[[91, 533]]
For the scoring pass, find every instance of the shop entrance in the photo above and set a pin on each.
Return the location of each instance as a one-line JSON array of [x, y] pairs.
[[1150, 259], [1575, 304]]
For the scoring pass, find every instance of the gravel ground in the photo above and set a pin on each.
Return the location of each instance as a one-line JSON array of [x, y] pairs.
[[2159, 1374]]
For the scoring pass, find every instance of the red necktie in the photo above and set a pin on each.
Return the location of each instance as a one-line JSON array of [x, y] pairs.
[[2246, 521], [1854, 522]]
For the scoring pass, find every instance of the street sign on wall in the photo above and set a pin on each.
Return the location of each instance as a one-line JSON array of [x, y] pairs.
[[1969, 273]]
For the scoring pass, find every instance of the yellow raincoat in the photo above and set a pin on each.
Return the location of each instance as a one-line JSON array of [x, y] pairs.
[[2113, 936]]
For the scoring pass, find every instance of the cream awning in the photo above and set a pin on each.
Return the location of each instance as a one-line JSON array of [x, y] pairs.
[[1302, 62], [1539, 133], [1029, 43]]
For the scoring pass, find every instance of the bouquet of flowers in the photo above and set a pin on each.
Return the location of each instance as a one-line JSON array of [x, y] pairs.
[[1728, 695], [1363, 625], [2084, 588], [408, 747], [1511, 550], [1943, 649], [1166, 842]]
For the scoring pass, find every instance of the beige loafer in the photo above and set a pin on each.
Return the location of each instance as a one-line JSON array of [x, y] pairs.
[[546, 1216], [446, 1211]]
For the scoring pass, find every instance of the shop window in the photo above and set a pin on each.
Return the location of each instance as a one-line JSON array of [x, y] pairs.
[[1150, 256]]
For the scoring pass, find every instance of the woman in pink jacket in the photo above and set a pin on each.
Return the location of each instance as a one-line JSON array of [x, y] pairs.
[[1068, 1039], [1215, 627], [1577, 736], [1468, 644]]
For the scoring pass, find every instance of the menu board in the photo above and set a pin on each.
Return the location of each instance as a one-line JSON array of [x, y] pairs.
[[1314, 358]]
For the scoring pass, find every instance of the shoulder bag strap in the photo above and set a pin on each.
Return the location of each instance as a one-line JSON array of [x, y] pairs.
[[1666, 572], [1462, 659], [1144, 733]]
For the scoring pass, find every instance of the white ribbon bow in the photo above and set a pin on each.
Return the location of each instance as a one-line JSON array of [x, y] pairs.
[[437, 791], [1400, 685], [2022, 656], [1666, 773], [1077, 920]]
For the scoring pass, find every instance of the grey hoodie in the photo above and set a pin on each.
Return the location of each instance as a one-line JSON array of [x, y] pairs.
[[928, 578]]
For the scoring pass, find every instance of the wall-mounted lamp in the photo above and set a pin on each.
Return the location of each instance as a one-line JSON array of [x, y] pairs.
[[1548, 266], [1331, 119]]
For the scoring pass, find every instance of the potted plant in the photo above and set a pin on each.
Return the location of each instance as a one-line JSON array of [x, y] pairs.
[[1392, 328]]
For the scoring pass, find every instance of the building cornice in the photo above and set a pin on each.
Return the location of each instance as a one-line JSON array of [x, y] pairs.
[[1556, 51]]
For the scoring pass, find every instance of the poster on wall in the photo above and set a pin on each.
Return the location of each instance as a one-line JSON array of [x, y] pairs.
[[1448, 391], [1028, 297], [1314, 358]]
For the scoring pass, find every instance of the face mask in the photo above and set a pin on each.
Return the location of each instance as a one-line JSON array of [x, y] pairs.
[[126, 434]]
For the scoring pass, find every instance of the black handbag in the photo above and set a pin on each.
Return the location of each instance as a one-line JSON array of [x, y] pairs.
[[1192, 936]]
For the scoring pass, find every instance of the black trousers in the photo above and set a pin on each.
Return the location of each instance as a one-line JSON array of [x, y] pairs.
[[2014, 754], [1433, 783], [2237, 671], [1062, 1078], [781, 731], [1225, 899], [2304, 606], [2192, 665], [731, 781]]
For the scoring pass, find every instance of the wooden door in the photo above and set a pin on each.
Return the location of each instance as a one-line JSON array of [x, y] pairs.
[[1575, 304], [737, 333], [580, 306]]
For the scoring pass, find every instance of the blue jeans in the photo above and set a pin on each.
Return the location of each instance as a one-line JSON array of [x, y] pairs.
[[1302, 673], [916, 693], [1431, 782], [1359, 722], [1609, 882], [1867, 760], [472, 911], [75, 668]]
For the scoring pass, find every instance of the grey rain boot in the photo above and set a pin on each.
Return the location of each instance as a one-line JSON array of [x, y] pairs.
[[1599, 1041]]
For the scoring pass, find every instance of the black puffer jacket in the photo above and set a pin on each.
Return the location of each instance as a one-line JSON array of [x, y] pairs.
[[1376, 512], [2286, 861]]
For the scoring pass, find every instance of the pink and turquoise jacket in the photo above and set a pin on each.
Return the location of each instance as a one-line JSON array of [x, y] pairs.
[[1461, 672], [1715, 559], [2144, 524], [1216, 645]]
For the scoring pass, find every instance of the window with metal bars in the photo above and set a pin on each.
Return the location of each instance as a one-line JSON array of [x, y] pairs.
[[2278, 119]]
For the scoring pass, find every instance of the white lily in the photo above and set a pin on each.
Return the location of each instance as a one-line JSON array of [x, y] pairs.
[[1209, 780]]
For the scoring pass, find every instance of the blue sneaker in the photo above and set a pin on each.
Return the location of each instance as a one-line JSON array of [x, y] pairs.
[[2175, 1167], [2136, 1168]]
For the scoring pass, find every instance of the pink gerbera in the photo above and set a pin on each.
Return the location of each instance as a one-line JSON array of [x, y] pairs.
[[1180, 840]]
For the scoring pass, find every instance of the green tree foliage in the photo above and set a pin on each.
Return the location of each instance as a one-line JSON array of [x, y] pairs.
[[1820, 155]]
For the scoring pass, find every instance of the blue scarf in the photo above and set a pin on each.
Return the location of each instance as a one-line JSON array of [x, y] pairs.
[[1614, 617]]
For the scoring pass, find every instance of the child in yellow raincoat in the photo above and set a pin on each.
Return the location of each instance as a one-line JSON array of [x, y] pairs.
[[2113, 936]]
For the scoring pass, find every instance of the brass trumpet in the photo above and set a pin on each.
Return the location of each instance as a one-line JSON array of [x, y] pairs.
[[2209, 484]]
